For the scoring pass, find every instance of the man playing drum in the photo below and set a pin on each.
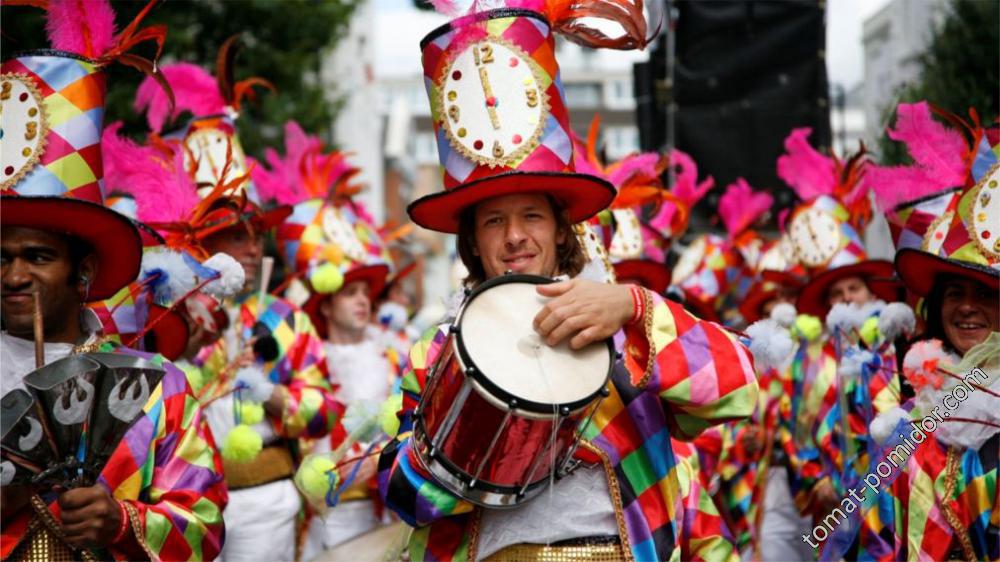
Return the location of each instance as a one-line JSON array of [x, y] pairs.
[[512, 195]]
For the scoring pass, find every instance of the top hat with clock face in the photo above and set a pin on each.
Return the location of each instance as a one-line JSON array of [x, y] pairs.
[[943, 210], [209, 142], [500, 118], [51, 176], [831, 249], [971, 245]]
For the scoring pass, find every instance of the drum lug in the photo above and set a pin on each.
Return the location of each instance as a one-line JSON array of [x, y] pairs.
[[605, 392], [470, 372], [564, 411], [453, 329], [618, 356], [512, 405]]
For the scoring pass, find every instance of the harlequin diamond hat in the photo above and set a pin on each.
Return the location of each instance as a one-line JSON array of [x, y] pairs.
[[209, 142], [824, 228], [499, 112], [943, 209], [329, 239], [52, 112]]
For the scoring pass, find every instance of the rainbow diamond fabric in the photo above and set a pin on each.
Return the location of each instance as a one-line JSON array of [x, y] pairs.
[[310, 410], [67, 159], [702, 376], [168, 468]]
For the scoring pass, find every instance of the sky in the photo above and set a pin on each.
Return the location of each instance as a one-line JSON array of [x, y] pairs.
[[399, 27]]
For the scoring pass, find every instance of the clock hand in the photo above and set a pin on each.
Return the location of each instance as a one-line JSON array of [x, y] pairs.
[[488, 93]]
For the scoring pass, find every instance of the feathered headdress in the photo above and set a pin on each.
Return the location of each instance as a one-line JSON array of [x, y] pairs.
[[196, 90], [740, 206], [88, 29], [567, 18], [811, 175], [942, 156], [166, 196], [305, 171]]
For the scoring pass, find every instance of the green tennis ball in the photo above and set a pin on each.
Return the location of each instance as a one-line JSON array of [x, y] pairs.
[[251, 413], [313, 478], [869, 330], [242, 444], [808, 327], [194, 376], [327, 279], [387, 415]]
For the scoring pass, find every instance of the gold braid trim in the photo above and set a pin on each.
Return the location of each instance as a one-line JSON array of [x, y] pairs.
[[961, 534], [616, 496], [138, 529], [647, 323], [473, 548], [53, 527]]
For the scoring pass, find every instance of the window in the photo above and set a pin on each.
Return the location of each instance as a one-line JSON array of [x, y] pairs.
[[425, 148], [584, 94]]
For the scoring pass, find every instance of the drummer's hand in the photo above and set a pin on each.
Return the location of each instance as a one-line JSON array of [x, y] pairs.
[[585, 311], [90, 517]]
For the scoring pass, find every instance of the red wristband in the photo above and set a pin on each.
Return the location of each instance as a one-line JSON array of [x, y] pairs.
[[638, 304], [123, 525]]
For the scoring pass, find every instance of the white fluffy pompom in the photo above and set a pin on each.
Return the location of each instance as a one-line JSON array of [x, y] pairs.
[[393, 315], [784, 314], [841, 317], [173, 276], [256, 383], [852, 361], [897, 319], [231, 276], [884, 424], [770, 344]]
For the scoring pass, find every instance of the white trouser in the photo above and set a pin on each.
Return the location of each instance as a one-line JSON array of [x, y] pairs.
[[341, 524], [782, 528], [260, 523]]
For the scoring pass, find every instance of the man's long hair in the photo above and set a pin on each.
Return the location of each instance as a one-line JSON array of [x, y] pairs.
[[570, 258]]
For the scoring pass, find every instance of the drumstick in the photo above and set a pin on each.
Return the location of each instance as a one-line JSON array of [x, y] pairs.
[[39, 332], [267, 265]]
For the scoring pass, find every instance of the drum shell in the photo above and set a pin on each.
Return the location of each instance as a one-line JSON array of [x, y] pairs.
[[458, 422]]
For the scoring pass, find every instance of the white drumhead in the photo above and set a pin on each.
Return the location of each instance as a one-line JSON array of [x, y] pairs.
[[496, 330]]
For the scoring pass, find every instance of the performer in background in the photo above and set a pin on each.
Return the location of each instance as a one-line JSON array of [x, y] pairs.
[[160, 495], [512, 196], [270, 348], [330, 243]]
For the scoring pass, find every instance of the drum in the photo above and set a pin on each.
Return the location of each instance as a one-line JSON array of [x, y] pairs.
[[501, 411]]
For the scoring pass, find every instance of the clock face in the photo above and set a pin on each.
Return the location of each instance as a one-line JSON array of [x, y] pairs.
[[341, 232], [627, 240], [208, 148], [815, 236], [937, 232], [22, 127], [985, 222], [689, 260], [491, 104]]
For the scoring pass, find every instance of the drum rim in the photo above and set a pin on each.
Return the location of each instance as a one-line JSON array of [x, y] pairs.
[[564, 409]]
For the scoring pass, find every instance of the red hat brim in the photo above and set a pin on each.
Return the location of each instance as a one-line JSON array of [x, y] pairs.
[[582, 196], [650, 274], [114, 238], [266, 220], [375, 275], [171, 332], [751, 306], [812, 299], [919, 270]]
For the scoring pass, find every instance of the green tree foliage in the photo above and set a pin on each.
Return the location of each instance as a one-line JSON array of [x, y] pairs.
[[960, 69], [282, 41]]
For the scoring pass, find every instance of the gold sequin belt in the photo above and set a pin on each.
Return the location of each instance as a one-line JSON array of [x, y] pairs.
[[273, 463], [590, 549]]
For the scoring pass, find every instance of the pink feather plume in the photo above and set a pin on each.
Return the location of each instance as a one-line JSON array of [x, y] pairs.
[[807, 171], [740, 206], [938, 154], [84, 27], [629, 166], [195, 90], [686, 186], [304, 172], [162, 189]]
